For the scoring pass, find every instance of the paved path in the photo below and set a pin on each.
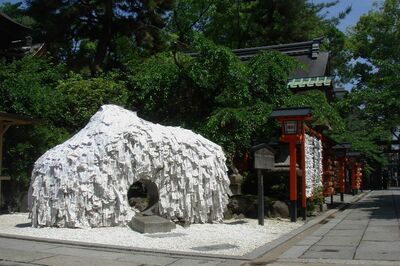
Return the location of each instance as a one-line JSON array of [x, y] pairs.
[[368, 232], [365, 233], [24, 252]]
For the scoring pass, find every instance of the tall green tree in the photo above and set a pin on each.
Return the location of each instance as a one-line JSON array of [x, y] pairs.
[[27, 88], [86, 33], [373, 106], [64, 101], [17, 13], [238, 24], [376, 47], [213, 92], [371, 109]]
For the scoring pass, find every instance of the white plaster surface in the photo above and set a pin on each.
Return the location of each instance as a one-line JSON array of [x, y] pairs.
[[83, 182], [246, 234], [313, 161]]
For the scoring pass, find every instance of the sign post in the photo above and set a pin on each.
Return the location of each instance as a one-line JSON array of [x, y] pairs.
[[264, 159]]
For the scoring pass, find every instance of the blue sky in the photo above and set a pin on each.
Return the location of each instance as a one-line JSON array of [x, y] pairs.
[[359, 7]]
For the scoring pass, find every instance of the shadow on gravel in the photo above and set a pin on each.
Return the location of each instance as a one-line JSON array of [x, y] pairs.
[[215, 247], [24, 225], [236, 222]]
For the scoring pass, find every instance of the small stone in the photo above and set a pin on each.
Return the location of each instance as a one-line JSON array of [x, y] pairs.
[[280, 209]]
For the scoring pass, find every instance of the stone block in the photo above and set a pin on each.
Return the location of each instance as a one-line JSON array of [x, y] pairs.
[[309, 241], [151, 224], [375, 250], [382, 235], [193, 262], [350, 226], [294, 252], [343, 241], [329, 252], [352, 233], [145, 259], [383, 222]]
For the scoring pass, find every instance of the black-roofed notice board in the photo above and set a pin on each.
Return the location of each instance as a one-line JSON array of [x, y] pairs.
[[264, 157]]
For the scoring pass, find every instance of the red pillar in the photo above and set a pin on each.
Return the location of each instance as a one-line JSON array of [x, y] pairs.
[[341, 177], [293, 181], [354, 177], [303, 180]]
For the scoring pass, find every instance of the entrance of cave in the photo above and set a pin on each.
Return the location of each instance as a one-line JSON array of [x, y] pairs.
[[143, 195]]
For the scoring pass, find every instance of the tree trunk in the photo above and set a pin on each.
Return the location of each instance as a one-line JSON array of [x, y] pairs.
[[104, 38]]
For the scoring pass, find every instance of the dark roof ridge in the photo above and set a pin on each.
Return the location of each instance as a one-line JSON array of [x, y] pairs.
[[310, 48], [10, 20], [12, 118]]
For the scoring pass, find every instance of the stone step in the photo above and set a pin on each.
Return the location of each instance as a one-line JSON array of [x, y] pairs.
[[151, 224]]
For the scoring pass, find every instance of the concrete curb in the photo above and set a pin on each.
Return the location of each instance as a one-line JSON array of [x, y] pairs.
[[247, 257], [117, 248]]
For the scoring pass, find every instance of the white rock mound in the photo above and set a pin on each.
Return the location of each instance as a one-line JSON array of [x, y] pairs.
[[84, 181]]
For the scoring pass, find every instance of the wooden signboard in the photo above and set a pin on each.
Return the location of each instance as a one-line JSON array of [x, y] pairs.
[[264, 158]]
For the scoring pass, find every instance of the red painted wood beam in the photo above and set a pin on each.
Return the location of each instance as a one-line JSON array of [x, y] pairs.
[[341, 174], [293, 175], [303, 175]]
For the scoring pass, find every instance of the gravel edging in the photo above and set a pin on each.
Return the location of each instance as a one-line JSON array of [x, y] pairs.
[[246, 257]]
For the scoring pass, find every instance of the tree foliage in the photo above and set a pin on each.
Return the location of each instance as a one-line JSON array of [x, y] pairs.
[[85, 33], [27, 88], [213, 92], [82, 97], [135, 54], [372, 109], [17, 13], [323, 112], [375, 44], [39, 88]]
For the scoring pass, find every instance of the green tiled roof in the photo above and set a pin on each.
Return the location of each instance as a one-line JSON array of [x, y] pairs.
[[310, 82]]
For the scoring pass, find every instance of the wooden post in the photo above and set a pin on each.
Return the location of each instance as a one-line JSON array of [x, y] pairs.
[[264, 159], [293, 182], [1, 146], [260, 197], [3, 129]]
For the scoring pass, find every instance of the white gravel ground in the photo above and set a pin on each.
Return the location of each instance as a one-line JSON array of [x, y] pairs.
[[242, 236]]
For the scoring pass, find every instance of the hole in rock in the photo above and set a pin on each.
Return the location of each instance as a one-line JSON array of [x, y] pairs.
[[143, 195]]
